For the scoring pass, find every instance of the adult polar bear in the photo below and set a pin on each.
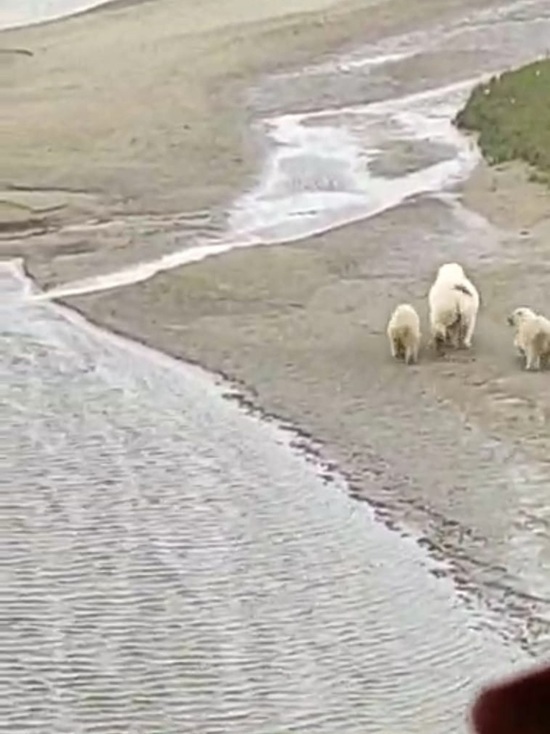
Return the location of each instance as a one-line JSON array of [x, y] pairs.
[[454, 304]]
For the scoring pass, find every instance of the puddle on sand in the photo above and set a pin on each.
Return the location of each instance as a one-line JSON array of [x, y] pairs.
[[319, 175], [163, 570]]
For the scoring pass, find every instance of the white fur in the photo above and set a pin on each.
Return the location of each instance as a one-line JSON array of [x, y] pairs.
[[404, 333], [453, 312], [532, 337]]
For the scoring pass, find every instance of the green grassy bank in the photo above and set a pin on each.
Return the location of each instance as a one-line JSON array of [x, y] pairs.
[[511, 113]]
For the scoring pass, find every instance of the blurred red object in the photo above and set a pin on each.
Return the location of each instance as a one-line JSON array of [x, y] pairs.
[[519, 705]]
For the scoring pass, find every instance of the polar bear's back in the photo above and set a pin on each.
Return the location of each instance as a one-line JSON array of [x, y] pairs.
[[405, 317], [452, 294]]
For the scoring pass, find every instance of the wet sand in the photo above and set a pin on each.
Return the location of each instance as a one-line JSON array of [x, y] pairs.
[[439, 447], [141, 107]]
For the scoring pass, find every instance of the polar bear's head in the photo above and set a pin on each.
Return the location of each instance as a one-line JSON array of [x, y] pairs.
[[450, 270], [519, 315]]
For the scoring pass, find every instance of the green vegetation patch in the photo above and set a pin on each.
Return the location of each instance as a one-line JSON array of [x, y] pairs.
[[511, 113]]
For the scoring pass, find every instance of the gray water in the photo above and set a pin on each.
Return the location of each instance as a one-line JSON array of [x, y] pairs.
[[171, 565]]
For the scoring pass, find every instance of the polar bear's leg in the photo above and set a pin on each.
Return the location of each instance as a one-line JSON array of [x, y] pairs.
[[532, 358], [439, 333], [454, 333], [396, 344], [439, 339], [415, 351], [519, 346], [469, 330], [411, 352], [393, 346]]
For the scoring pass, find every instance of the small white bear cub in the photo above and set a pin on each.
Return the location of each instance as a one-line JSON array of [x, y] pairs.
[[404, 333], [532, 338]]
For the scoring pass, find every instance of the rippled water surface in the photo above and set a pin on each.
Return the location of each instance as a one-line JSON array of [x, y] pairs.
[[171, 565]]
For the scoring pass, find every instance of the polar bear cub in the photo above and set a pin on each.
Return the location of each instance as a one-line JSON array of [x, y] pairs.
[[454, 305], [532, 339], [404, 333]]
